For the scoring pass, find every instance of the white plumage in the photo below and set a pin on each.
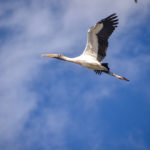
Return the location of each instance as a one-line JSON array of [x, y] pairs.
[[96, 47]]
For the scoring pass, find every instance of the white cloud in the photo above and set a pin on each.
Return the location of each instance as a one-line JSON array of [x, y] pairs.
[[48, 127]]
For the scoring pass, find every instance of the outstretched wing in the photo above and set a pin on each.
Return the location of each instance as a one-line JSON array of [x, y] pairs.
[[98, 35]]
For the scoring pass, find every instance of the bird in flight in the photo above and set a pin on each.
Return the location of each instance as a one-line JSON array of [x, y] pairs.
[[96, 47]]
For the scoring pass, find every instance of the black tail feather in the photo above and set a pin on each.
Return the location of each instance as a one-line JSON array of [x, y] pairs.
[[99, 72], [105, 65]]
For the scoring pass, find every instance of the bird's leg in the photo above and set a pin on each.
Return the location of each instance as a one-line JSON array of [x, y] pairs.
[[117, 76]]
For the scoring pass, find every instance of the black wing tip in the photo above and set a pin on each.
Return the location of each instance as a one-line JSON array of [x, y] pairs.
[[111, 18], [112, 15]]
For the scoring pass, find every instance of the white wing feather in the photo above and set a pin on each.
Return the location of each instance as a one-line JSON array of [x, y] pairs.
[[92, 41]]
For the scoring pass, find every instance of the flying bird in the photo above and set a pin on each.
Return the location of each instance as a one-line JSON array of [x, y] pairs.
[[96, 47]]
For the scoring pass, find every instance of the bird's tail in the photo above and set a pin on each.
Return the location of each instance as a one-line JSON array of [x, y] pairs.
[[117, 76]]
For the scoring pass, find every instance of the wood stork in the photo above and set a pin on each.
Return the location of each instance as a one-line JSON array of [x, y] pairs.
[[96, 47]]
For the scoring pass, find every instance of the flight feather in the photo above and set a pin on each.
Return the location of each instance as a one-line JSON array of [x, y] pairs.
[[98, 35]]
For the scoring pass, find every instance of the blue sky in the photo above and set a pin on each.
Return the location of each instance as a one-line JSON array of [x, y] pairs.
[[46, 104]]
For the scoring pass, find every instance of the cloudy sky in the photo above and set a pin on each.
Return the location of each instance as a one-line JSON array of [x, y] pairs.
[[46, 104]]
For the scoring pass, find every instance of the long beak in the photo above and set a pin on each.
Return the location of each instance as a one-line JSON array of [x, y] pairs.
[[50, 55]]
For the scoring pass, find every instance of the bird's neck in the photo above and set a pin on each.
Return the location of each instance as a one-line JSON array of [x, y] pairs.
[[61, 57]]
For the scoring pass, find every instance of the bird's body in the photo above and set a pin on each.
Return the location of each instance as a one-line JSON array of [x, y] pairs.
[[83, 60], [96, 47], [88, 62]]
